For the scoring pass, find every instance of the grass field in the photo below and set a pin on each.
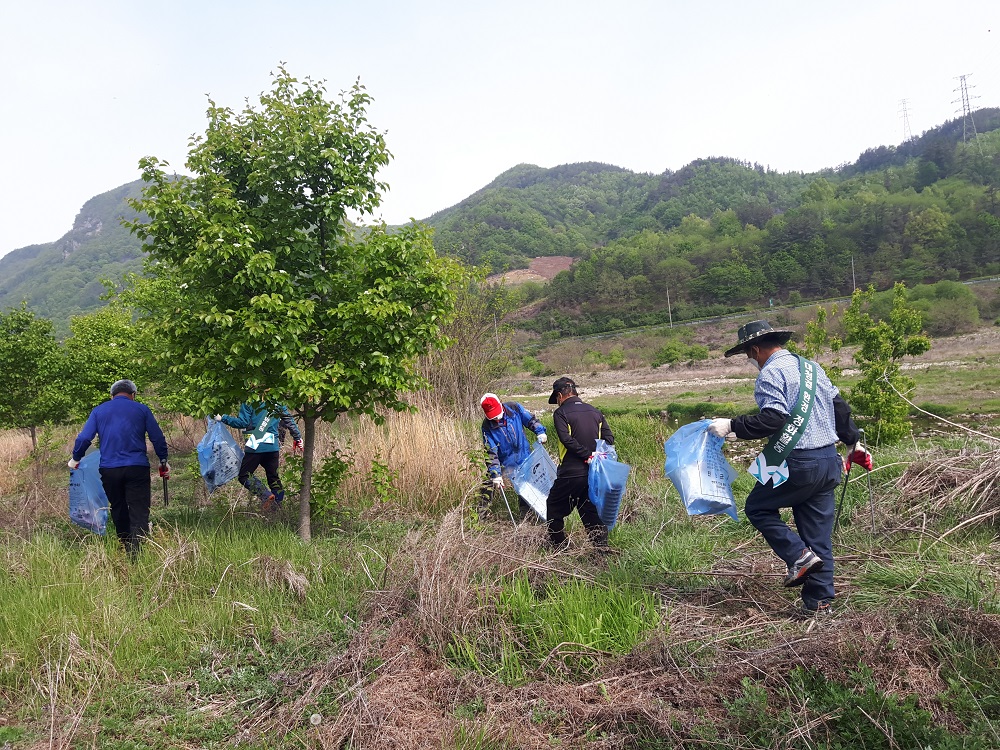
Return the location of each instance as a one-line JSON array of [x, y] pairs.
[[410, 623]]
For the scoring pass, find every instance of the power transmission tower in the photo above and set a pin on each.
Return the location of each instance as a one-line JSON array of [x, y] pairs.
[[968, 123], [907, 133]]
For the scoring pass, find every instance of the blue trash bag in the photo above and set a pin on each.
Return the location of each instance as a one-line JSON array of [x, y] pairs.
[[534, 477], [88, 503], [219, 456], [606, 482], [699, 471]]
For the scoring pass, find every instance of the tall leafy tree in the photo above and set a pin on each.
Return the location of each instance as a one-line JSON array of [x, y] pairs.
[[31, 388], [258, 283]]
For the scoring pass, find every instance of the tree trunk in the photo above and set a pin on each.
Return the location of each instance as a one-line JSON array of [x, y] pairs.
[[305, 494], [34, 438]]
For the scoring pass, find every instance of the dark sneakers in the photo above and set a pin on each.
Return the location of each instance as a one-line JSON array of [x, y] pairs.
[[808, 562], [823, 610]]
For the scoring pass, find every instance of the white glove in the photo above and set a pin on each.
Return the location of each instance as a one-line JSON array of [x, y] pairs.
[[73, 464], [217, 417], [720, 427], [542, 437], [497, 482]]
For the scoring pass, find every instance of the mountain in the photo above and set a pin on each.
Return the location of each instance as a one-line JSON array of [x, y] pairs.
[[715, 235], [64, 278]]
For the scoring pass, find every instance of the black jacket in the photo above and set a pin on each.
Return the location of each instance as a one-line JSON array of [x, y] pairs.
[[579, 426]]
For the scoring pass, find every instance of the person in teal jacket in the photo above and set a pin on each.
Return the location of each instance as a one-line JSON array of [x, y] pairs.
[[260, 422]]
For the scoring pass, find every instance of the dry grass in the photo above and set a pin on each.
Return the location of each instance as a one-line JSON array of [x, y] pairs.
[[966, 482], [280, 574], [27, 489], [15, 446], [430, 453], [394, 688]]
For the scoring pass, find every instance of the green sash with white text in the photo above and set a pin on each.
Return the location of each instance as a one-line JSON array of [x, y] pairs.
[[770, 464]]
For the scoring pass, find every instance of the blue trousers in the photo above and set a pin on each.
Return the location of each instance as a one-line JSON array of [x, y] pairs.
[[813, 476]]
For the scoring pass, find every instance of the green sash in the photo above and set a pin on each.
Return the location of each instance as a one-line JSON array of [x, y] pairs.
[[260, 435], [770, 464]]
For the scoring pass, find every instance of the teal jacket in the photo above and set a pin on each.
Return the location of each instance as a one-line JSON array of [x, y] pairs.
[[260, 422]]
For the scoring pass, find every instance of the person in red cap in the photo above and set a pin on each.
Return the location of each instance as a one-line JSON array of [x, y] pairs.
[[505, 441]]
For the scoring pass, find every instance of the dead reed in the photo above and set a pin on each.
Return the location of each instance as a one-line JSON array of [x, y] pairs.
[[429, 455], [965, 483], [15, 446]]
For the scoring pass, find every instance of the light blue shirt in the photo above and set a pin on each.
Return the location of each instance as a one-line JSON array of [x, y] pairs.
[[777, 388]]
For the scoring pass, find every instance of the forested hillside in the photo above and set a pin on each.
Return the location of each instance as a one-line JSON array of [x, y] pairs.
[[63, 278], [882, 226], [717, 235]]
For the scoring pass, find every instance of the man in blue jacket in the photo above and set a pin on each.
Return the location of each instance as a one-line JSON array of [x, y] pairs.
[[123, 424], [260, 421], [505, 441]]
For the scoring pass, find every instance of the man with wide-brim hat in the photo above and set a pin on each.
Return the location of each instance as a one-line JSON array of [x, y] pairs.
[[758, 330], [802, 415]]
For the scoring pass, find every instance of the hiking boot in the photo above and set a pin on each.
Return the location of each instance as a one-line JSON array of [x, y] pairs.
[[808, 562]]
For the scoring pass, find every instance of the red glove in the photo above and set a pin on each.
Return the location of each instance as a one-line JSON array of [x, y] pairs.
[[858, 455], [164, 469], [297, 446]]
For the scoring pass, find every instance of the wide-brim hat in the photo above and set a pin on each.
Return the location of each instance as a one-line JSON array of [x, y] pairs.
[[757, 330]]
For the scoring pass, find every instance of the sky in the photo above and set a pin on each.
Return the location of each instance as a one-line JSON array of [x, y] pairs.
[[465, 90]]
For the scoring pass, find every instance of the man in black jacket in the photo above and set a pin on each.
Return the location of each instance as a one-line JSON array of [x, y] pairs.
[[578, 426]]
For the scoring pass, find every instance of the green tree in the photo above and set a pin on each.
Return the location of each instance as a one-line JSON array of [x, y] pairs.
[[257, 283], [818, 339], [103, 347], [31, 389], [882, 343]]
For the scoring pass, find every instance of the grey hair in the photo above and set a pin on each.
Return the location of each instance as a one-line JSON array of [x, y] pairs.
[[123, 386]]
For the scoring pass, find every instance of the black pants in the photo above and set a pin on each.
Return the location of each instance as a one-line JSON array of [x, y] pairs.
[[129, 494], [250, 463], [566, 494]]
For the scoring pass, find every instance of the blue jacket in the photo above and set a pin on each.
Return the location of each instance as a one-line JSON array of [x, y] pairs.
[[505, 441], [259, 423], [123, 425]]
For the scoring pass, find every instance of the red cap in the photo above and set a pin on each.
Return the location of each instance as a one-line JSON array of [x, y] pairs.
[[491, 406]]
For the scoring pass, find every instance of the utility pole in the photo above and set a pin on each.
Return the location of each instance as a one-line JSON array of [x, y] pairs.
[[968, 123], [670, 315], [854, 279]]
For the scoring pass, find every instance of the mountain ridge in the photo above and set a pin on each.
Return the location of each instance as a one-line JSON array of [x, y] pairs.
[[525, 212]]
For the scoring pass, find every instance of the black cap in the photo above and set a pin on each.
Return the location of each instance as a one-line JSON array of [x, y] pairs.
[[754, 330], [559, 386]]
